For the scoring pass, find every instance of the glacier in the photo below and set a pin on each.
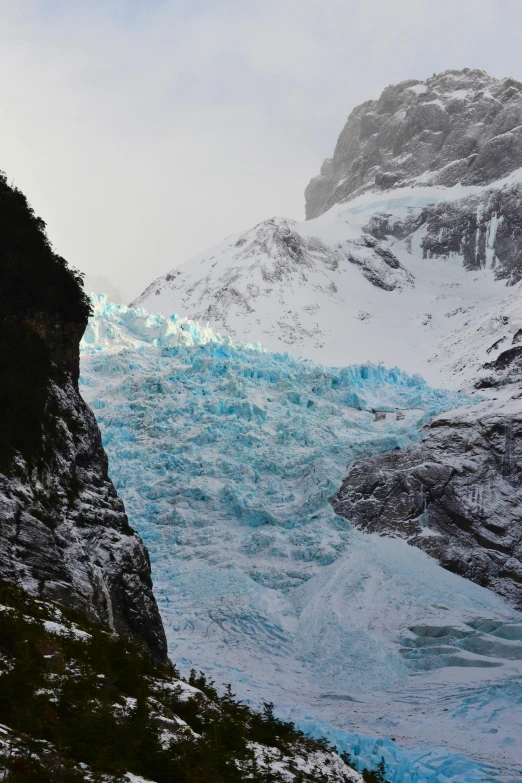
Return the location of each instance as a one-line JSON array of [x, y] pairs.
[[225, 455]]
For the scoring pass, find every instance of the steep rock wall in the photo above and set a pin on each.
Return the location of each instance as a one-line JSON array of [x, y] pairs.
[[457, 495], [64, 534], [458, 127]]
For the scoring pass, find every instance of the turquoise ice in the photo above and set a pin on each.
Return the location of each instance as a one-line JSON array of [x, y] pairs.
[[226, 455]]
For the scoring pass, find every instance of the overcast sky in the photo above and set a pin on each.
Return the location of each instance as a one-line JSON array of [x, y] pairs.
[[143, 131]]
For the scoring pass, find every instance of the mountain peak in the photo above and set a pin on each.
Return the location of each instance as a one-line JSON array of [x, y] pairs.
[[456, 127]]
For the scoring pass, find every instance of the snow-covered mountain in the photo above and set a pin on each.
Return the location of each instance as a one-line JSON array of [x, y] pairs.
[[415, 229], [226, 456], [457, 127], [428, 181], [411, 256]]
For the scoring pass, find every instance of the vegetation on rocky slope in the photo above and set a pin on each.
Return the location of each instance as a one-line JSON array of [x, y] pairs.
[[79, 703], [33, 278]]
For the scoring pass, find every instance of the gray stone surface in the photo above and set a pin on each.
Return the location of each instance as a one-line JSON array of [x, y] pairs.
[[459, 127], [456, 127], [64, 534], [457, 495], [485, 230]]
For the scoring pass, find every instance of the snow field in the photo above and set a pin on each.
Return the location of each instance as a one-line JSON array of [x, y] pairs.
[[297, 286]]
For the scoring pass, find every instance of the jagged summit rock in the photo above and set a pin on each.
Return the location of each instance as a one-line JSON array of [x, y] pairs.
[[457, 127]]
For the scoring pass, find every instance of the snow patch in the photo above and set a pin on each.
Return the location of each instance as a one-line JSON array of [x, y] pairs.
[[63, 630], [418, 89]]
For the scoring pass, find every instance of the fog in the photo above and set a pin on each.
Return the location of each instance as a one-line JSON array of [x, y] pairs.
[[145, 131]]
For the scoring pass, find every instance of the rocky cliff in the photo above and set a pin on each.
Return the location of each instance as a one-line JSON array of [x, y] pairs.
[[457, 495], [64, 534], [450, 148], [459, 130]]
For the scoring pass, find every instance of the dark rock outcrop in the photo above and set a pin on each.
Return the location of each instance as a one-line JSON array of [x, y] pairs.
[[64, 534], [457, 495], [484, 229]]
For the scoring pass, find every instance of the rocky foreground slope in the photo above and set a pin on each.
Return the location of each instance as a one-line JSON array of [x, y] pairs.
[[83, 705]]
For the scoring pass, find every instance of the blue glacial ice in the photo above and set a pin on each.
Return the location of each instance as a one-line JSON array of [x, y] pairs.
[[226, 455]]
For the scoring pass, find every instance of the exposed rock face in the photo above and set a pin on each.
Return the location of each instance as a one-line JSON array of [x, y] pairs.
[[457, 495], [64, 534], [484, 230], [457, 127]]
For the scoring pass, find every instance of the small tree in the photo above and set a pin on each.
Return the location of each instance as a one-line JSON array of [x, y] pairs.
[[376, 775]]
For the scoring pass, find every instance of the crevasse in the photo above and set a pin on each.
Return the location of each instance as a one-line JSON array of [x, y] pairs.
[[200, 429], [226, 455]]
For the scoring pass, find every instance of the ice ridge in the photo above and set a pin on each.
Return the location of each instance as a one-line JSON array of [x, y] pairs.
[[201, 429]]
